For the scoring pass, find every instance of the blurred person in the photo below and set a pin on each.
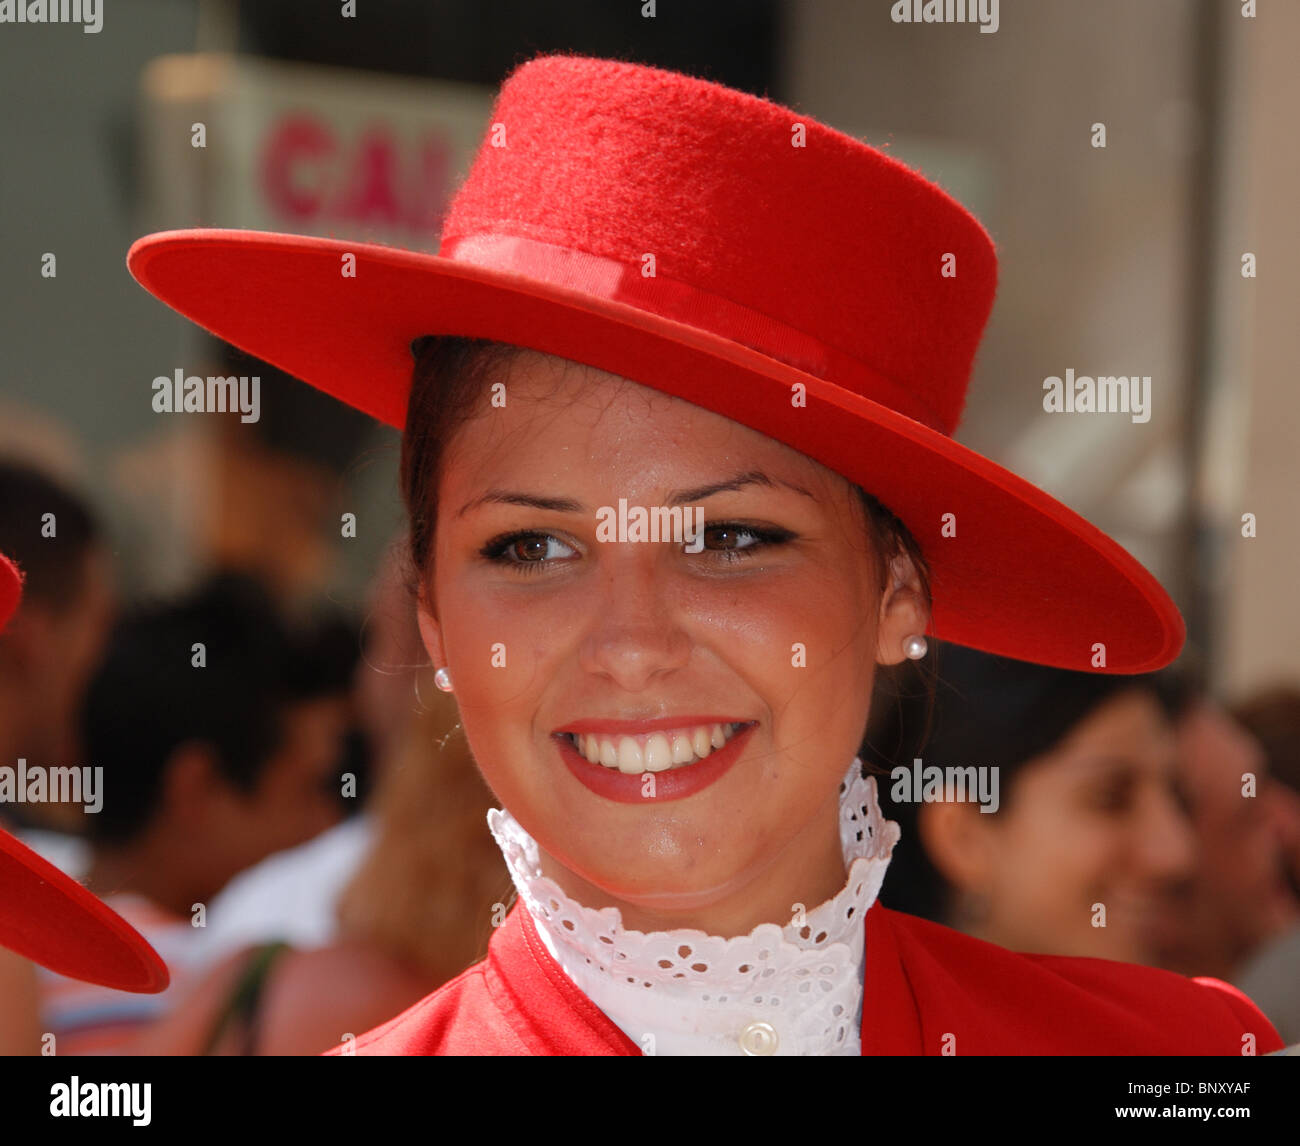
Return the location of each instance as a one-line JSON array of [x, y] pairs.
[[208, 765], [418, 911], [1087, 812], [55, 640], [293, 895], [1271, 974], [1239, 897], [1273, 718]]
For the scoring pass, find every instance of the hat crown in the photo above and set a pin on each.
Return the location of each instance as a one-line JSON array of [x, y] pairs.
[[735, 214]]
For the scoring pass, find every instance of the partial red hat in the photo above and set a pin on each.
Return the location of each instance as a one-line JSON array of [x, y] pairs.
[[48, 917], [735, 253]]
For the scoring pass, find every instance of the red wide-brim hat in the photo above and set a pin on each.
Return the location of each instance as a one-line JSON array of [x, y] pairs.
[[727, 250], [48, 917]]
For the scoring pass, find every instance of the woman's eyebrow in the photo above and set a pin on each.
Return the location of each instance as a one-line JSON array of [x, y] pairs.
[[750, 477], [677, 497], [516, 497]]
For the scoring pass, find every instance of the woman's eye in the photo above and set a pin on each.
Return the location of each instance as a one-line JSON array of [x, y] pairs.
[[728, 537], [526, 551], [529, 550], [734, 542]]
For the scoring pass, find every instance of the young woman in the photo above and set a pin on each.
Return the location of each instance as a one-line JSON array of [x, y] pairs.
[[655, 294]]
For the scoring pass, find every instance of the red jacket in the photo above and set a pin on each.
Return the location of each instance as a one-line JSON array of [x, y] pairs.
[[929, 990]]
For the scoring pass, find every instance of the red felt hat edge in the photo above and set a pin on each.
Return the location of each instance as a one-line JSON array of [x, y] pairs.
[[170, 265], [11, 589], [92, 923], [91, 942]]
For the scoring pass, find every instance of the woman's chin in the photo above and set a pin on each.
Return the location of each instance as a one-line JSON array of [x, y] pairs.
[[650, 885]]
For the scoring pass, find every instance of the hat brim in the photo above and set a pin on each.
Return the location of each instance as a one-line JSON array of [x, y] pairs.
[[48, 917], [11, 590], [1018, 573]]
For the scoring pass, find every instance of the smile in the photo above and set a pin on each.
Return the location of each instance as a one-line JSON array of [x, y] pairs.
[[654, 761], [656, 751]]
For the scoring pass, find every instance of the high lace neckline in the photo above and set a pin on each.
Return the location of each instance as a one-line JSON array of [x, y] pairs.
[[789, 990]]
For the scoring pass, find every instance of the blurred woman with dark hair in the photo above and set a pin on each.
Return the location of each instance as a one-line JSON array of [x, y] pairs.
[[1081, 830]]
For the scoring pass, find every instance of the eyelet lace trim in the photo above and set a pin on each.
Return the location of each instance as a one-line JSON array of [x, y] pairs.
[[696, 992]]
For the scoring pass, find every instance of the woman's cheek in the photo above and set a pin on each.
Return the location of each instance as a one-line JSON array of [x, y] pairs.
[[497, 638], [1079, 875]]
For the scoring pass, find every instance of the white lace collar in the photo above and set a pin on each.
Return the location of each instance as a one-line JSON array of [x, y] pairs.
[[792, 990]]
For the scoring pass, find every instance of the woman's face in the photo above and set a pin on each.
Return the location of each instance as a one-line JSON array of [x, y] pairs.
[[1093, 822], [774, 626]]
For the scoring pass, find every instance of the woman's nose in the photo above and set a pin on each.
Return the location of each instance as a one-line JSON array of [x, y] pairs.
[[635, 637]]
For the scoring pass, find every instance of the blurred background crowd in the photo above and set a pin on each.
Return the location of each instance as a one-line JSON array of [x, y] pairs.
[[300, 829]]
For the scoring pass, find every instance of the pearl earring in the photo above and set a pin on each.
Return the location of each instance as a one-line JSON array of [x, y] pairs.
[[442, 678], [914, 648]]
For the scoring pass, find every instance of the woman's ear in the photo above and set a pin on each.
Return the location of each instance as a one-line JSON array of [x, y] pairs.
[[430, 630], [903, 611], [958, 842]]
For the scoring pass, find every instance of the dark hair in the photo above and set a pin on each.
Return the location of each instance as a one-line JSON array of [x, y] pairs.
[[146, 699], [991, 711], [451, 373], [323, 656], [1273, 717], [54, 567]]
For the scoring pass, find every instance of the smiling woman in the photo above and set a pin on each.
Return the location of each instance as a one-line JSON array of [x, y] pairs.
[[647, 292], [763, 645]]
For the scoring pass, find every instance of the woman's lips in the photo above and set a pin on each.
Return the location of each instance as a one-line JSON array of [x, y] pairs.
[[634, 749], [642, 774]]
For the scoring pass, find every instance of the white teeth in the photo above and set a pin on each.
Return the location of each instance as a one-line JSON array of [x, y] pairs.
[[657, 752], [629, 755]]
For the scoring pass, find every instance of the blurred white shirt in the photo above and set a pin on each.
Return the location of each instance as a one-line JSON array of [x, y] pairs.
[[290, 895]]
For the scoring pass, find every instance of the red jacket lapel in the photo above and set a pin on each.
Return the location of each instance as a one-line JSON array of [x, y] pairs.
[[542, 1005], [891, 1022]]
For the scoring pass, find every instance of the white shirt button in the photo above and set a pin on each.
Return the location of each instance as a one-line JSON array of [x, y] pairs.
[[759, 1039]]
